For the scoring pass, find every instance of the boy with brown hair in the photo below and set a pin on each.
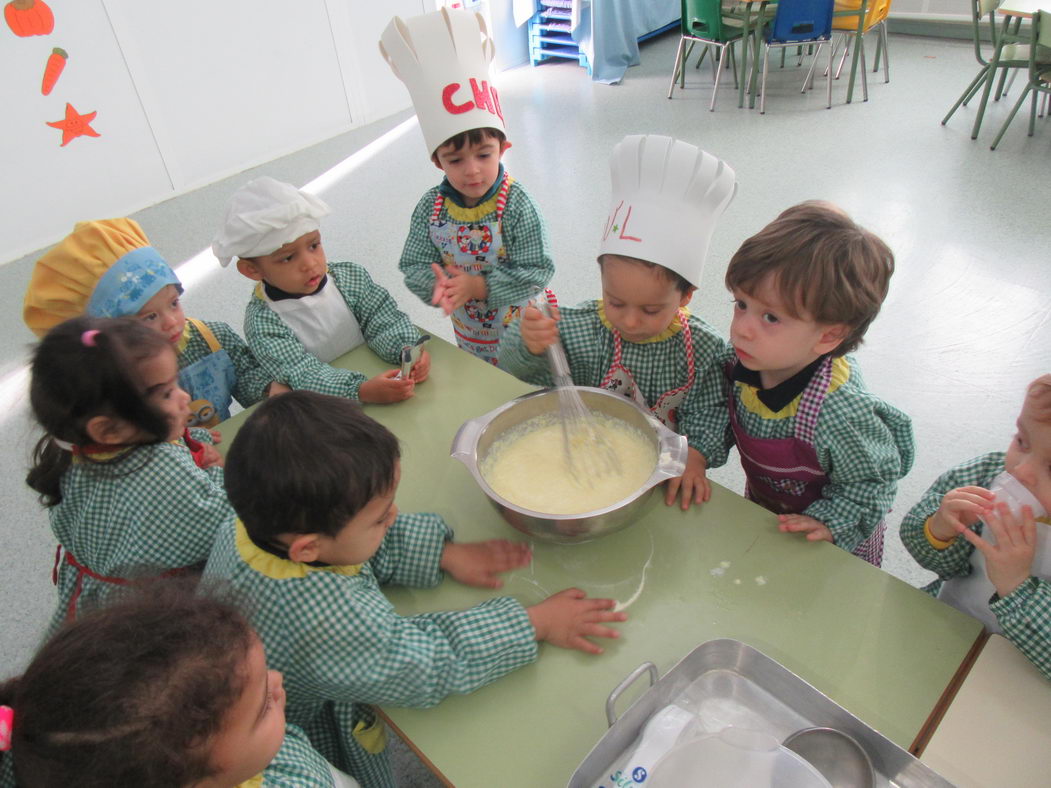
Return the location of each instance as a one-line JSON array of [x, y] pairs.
[[817, 447], [477, 245], [1000, 571]]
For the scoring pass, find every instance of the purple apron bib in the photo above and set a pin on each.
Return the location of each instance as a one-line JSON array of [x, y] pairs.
[[784, 475]]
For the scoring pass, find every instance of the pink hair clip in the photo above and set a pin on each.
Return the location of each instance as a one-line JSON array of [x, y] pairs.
[[7, 725], [88, 337]]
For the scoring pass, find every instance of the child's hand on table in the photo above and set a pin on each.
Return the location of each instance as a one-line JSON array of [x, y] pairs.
[[421, 368], [1009, 562], [386, 388], [815, 530], [478, 563], [568, 618], [960, 509], [693, 483], [539, 332]]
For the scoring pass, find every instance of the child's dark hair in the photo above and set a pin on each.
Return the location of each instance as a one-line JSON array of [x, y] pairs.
[[470, 137], [82, 368], [668, 275], [131, 693], [824, 265], [307, 463]]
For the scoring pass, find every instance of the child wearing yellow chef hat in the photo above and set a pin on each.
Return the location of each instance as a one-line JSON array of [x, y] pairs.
[[107, 268], [477, 244], [639, 339]]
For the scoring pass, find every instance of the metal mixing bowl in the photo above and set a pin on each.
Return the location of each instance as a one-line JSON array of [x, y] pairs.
[[475, 438]]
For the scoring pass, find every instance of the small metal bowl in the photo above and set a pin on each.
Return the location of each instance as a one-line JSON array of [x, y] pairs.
[[839, 758], [476, 436]]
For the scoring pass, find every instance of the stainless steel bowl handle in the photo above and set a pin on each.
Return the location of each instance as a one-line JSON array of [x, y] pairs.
[[465, 441], [611, 712]]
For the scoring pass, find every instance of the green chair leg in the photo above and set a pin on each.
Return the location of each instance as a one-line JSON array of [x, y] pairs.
[[1010, 117]]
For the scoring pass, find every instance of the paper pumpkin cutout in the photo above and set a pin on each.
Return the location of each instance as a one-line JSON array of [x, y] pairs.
[[29, 17], [75, 125]]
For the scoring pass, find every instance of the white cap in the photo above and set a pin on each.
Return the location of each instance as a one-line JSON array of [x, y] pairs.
[[444, 59], [264, 215], [667, 197]]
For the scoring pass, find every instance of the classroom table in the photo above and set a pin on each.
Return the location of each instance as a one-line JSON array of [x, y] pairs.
[[1012, 11], [880, 648]]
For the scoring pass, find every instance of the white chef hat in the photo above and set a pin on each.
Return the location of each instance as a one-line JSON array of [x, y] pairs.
[[264, 215], [667, 197], [444, 58]]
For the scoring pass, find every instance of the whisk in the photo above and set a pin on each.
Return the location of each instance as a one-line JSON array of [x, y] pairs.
[[588, 453]]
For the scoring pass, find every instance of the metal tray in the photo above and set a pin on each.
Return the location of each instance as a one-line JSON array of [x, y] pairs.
[[729, 682]]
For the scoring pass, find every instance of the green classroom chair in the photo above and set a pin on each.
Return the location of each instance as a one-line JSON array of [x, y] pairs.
[[1039, 70], [704, 22], [1012, 57]]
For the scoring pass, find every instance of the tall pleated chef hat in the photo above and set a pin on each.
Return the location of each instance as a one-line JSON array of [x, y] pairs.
[[667, 198], [445, 60]]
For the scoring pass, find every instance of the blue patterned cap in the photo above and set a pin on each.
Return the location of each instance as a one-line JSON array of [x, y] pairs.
[[130, 283]]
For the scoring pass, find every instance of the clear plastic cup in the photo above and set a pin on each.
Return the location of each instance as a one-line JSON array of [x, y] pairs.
[[1010, 491]]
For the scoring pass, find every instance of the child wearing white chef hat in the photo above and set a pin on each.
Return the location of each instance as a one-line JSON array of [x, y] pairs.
[[639, 339], [817, 447], [305, 312], [993, 558], [477, 244]]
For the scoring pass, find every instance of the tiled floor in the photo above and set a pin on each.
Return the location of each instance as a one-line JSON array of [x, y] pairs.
[[966, 325]]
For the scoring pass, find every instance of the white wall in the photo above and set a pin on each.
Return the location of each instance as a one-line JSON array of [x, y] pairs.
[[185, 93]]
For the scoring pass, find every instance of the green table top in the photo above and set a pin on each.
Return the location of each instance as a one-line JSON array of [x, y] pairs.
[[880, 648]]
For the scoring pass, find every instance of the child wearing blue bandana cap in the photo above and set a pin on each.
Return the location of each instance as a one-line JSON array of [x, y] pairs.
[[108, 269]]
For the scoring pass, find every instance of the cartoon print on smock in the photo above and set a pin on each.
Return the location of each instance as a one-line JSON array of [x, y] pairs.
[[475, 249], [620, 380], [209, 381]]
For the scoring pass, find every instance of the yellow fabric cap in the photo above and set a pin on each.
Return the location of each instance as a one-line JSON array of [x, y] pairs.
[[65, 277]]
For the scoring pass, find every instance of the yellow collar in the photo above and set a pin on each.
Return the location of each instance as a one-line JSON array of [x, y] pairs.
[[255, 782], [750, 394], [476, 212], [673, 328], [275, 568], [180, 346]]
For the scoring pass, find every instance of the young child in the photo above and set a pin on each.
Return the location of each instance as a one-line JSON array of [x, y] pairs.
[[306, 312], [477, 244], [1000, 571], [319, 533], [116, 466], [108, 269], [639, 339], [817, 447], [162, 689]]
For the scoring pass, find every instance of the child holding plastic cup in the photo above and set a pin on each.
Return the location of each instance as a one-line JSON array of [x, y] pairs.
[[999, 570]]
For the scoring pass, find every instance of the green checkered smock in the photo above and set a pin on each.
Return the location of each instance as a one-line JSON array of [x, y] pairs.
[[656, 366], [342, 646], [296, 765], [527, 266], [385, 327], [1024, 615], [252, 379], [863, 444], [150, 511]]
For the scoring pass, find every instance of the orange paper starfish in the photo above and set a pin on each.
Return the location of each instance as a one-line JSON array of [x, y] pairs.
[[75, 125]]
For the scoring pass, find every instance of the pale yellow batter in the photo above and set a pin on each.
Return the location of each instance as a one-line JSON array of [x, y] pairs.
[[529, 467]]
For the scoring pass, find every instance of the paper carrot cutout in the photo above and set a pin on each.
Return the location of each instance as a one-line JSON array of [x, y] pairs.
[[55, 63]]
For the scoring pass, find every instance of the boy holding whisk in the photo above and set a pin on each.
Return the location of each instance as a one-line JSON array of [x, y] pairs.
[[639, 339]]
